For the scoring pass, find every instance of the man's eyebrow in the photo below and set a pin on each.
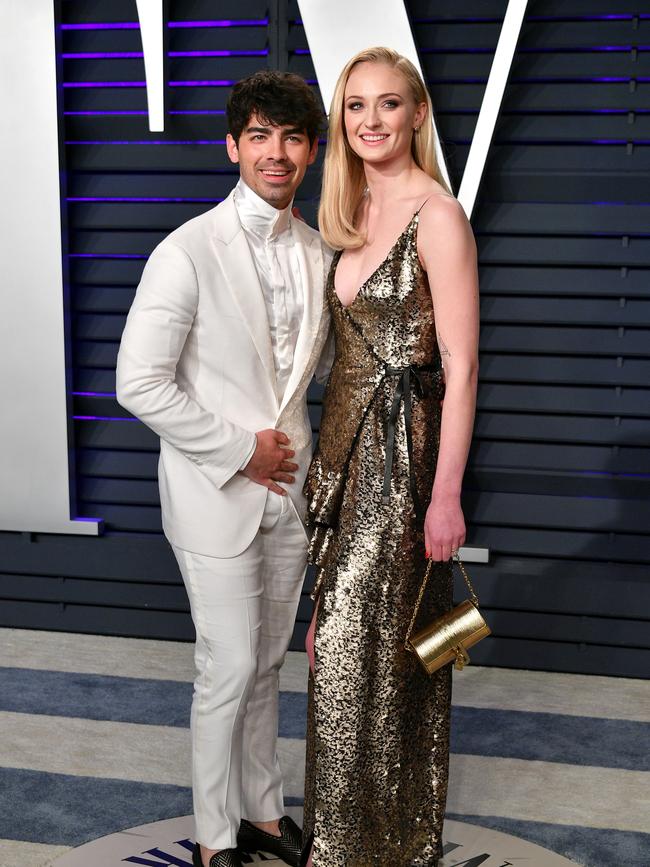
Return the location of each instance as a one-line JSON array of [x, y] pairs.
[[266, 130]]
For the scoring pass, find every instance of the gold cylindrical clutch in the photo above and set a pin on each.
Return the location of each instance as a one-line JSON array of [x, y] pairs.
[[449, 637]]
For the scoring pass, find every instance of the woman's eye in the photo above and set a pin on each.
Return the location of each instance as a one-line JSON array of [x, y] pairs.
[[390, 103], [353, 106]]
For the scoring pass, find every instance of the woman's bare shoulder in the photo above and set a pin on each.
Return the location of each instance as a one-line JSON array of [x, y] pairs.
[[443, 211], [444, 229], [440, 203]]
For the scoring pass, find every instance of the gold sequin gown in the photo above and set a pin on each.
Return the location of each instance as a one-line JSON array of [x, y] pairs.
[[378, 725]]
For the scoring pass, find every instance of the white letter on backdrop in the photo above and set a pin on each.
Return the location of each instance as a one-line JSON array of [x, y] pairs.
[[34, 458], [339, 29]]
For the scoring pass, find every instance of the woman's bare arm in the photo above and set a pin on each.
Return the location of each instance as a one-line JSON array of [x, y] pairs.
[[448, 251]]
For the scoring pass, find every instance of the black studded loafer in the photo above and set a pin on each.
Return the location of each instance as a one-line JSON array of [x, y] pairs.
[[288, 846], [225, 858]]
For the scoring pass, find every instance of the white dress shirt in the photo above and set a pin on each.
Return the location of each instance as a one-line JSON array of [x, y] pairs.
[[272, 245]]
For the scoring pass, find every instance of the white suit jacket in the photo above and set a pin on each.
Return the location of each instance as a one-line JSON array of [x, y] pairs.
[[196, 365]]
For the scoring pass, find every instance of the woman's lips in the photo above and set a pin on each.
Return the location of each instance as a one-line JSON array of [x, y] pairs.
[[373, 139]]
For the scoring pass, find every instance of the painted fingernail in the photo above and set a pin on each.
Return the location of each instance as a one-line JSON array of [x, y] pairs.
[[427, 554]]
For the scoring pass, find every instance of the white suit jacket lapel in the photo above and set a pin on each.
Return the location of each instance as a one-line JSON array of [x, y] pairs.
[[243, 283], [310, 258]]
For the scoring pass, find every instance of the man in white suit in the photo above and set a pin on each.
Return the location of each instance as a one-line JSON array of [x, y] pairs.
[[221, 342]]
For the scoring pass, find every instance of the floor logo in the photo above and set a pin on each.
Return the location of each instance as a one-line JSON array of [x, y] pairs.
[[169, 844]]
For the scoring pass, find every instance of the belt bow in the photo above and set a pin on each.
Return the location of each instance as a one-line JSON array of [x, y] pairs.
[[409, 379]]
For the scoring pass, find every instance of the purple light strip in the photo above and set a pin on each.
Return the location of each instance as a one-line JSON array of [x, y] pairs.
[[104, 84], [227, 82], [135, 25], [218, 141], [262, 52], [606, 78], [93, 394], [547, 112], [139, 199], [607, 111], [617, 204], [122, 55], [577, 49], [100, 55], [565, 49], [572, 142], [228, 22], [206, 111], [116, 25], [216, 82]]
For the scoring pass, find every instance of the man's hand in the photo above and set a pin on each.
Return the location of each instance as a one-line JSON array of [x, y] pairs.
[[269, 463]]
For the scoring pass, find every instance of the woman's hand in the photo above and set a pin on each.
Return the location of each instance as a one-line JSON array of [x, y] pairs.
[[444, 527]]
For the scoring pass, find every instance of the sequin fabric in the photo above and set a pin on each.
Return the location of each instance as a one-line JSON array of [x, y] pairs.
[[378, 725]]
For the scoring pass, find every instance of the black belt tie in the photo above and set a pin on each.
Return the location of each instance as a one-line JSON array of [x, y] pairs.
[[408, 377]]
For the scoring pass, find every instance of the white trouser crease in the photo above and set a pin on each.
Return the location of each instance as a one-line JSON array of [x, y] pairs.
[[244, 610]]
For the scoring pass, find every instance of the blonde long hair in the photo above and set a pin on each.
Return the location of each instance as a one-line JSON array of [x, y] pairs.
[[344, 179]]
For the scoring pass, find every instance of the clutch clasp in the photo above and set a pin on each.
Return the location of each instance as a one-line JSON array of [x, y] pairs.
[[462, 657]]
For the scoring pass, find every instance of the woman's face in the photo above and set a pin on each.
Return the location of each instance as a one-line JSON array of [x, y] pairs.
[[379, 112]]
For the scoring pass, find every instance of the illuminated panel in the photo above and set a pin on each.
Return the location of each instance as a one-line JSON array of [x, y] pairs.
[[35, 467], [150, 13], [491, 104]]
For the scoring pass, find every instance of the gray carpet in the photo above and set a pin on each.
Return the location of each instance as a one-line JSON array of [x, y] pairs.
[[555, 759]]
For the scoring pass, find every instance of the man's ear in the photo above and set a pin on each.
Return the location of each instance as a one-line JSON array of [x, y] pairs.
[[232, 149], [313, 151]]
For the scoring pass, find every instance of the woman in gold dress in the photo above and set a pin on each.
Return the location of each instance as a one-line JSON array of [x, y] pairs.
[[384, 486]]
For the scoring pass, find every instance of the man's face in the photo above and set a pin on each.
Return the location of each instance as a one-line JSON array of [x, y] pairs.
[[272, 159]]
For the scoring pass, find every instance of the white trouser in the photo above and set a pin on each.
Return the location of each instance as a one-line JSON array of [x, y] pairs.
[[244, 609]]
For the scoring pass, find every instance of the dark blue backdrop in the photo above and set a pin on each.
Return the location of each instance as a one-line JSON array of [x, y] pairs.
[[557, 484]]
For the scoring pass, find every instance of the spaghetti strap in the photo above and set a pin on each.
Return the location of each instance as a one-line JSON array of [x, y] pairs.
[[423, 204]]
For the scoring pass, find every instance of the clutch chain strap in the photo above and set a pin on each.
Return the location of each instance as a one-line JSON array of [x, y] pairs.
[[425, 580]]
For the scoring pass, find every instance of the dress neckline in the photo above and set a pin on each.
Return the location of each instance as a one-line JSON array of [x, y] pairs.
[[377, 269]]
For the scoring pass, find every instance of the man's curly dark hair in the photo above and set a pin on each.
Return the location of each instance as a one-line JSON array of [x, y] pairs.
[[277, 98]]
